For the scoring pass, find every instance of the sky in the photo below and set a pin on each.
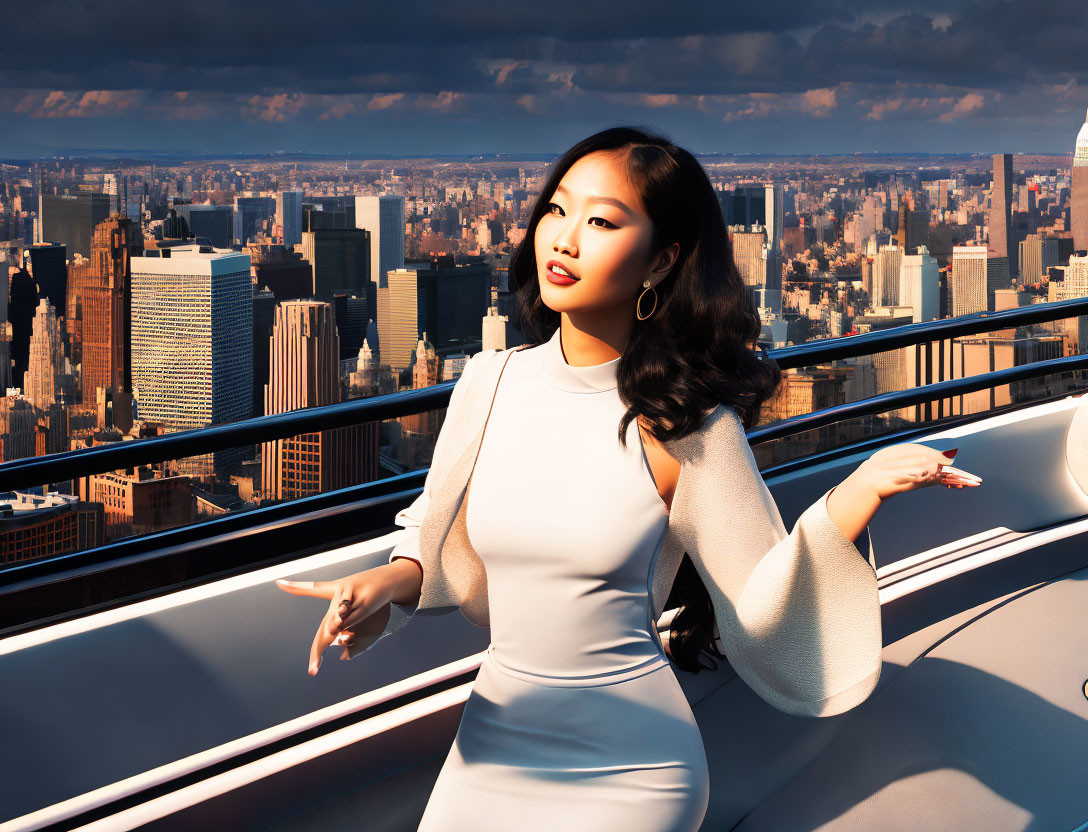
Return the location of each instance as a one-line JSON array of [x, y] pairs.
[[505, 76]]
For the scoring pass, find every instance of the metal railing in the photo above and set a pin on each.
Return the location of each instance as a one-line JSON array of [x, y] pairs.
[[212, 549]]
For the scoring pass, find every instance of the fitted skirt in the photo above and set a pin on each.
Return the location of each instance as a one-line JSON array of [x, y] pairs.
[[611, 757]]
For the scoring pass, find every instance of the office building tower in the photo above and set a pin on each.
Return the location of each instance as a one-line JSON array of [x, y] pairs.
[[775, 217], [887, 265], [289, 216], [383, 217], [976, 274], [1001, 232], [351, 316], [71, 219], [304, 371], [251, 213], [284, 272], [745, 205], [444, 300], [192, 347], [919, 286], [103, 295], [1079, 197], [340, 258], [216, 222], [759, 267], [1037, 255], [110, 188], [45, 379], [23, 300], [49, 268]]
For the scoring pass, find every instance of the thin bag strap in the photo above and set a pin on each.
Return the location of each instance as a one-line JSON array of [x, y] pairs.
[[487, 418]]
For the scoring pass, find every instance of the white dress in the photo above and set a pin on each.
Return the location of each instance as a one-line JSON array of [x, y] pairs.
[[576, 720]]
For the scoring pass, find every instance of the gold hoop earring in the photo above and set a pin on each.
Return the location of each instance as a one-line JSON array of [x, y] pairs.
[[638, 303]]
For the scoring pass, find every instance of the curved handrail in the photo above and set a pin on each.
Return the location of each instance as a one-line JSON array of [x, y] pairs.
[[32, 471]]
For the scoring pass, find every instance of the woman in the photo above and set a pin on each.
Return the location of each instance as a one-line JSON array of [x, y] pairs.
[[638, 320]]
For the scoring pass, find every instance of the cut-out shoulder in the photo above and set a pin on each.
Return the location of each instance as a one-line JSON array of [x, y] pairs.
[[663, 466]]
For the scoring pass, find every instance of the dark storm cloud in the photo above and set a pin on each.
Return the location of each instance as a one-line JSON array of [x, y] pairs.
[[639, 45]]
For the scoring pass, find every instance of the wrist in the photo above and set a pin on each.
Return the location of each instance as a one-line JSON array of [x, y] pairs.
[[406, 580]]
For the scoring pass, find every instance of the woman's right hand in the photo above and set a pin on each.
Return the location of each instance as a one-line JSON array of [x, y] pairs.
[[352, 599]]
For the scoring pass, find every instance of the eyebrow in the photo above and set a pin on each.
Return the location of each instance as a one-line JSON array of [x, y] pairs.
[[605, 199]]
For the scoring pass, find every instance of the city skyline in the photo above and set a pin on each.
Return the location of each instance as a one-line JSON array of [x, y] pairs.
[[427, 81]]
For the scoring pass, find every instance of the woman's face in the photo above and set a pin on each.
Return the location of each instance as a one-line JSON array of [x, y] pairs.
[[596, 228]]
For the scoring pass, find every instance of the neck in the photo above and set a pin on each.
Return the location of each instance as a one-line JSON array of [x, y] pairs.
[[594, 340]]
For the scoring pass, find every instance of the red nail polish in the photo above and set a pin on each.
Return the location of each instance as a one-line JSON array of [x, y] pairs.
[[950, 453]]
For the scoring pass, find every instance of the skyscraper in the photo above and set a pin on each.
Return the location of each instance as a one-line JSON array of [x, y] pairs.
[[44, 381], [1001, 237], [1079, 201], [289, 216], [70, 219], [340, 258], [304, 371], [104, 296], [216, 222], [919, 285], [250, 214], [887, 266], [49, 270], [976, 274], [383, 217], [192, 344]]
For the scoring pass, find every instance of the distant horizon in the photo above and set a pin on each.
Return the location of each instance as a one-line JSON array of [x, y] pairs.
[[248, 79], [181, 156]]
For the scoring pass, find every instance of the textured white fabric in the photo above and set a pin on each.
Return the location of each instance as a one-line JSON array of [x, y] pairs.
[[798, 613]]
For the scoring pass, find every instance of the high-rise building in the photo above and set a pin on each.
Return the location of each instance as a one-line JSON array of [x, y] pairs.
[[919, 285], [71, 219], [48, 267], [444, 300], [775, 217], [383, 216], [887, 266], [45, 379], [745, 205], [1001, 232], [289, 216], [304, 371], [760, 267], [216, 222], [1037, 255], [1079, 198], [192, 347], [250, 214], [976, 274], [341, 260], [103, 296]]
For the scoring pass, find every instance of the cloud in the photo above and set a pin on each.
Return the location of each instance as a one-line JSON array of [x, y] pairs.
[[819, 102], [969, 103]]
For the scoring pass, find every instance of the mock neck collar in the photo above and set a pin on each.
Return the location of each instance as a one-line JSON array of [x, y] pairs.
[[596, 378]]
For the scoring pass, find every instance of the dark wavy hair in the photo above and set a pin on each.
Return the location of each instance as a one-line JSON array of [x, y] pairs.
[[694, 352]]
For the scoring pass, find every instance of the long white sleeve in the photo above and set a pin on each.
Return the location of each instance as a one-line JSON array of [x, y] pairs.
[[394, 616], [798, 613]]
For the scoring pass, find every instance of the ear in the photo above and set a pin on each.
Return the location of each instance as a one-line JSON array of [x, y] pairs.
[[668, 259]]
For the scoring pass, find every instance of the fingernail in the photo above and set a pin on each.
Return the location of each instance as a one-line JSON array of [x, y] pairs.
[[282, 581], [950, 453], [313, 668]]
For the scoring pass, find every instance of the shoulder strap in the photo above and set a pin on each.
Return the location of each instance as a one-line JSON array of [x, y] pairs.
[[487, 418]]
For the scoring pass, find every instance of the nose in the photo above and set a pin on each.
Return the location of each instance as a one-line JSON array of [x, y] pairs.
[[565, 243]]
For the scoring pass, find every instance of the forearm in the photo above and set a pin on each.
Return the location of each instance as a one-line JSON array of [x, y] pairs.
[[851, 506], [407, 577]]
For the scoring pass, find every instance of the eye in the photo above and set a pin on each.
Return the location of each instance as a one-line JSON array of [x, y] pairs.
[[607, 224]]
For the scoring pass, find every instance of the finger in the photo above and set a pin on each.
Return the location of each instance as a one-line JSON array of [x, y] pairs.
[[357, 615], [338, 605], [959, 472], [317, 589], [321, 640]]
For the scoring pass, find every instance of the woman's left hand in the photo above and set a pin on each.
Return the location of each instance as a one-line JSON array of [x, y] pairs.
[[907, 466]]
